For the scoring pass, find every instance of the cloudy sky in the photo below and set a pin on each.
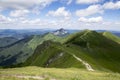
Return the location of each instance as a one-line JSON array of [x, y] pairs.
[[53, 14]]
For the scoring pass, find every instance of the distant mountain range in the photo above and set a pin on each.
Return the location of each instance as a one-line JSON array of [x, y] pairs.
[[20, 34], [91, 50]]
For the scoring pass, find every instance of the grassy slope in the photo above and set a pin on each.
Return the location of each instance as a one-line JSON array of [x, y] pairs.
[[25, 48], [29, 47], [9, 54], [57, 74], [112, 37], [100, 52], [52, 51], [97, 50], [103, 51], [7, 41]]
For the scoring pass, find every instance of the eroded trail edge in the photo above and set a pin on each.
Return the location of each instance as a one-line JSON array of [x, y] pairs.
[[88, 67]]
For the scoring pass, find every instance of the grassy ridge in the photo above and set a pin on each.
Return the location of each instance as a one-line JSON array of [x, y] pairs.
[[112, 37], [103, 51], [100, 52], [51, 53], [97, 50]]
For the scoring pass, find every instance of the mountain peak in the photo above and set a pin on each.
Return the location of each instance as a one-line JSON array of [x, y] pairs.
[[60, 32], [61, 29]]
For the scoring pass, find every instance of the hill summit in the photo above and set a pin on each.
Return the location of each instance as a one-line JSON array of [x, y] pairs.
[[60, 32]]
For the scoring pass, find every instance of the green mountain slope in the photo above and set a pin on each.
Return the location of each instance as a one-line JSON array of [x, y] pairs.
[[7, 41], [103, 51], [9, 54], [112, 37], [29, 47], [93, 48], [21, 50], [50, 54], [86, 49]]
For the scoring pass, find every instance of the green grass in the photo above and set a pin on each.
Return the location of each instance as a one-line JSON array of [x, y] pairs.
[[100, 52], [51, 51], [92, 47], [112, 37], [58, 74], [25, 48], [28, 48], [12, 51], [7, 41]]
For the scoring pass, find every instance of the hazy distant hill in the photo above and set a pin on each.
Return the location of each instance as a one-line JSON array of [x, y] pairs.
[[7, 41], [20, 34]]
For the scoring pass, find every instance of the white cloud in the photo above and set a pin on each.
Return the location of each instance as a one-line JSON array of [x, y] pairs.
[[69, 2], [112, 5], [93, 9], [21, 8], [19, 13], [60, 12], [1, 9], [94, 23], [4, 19], [34, 21], [87, 1], [21, 4], [91, 20], [66, 1]]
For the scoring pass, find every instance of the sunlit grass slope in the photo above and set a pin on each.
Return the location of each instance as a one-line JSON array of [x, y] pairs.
[[100, 52], [29, 47], [56, 74], [112, 37], [103, 51]]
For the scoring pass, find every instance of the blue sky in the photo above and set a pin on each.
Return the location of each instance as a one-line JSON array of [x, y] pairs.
[[54, 14]]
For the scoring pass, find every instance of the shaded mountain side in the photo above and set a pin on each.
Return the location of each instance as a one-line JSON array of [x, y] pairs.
[[112, 36], [7, 41], [11, 51], [14, 43]]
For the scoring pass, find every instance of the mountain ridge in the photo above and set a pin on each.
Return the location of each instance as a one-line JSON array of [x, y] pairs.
[[90, 46]]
